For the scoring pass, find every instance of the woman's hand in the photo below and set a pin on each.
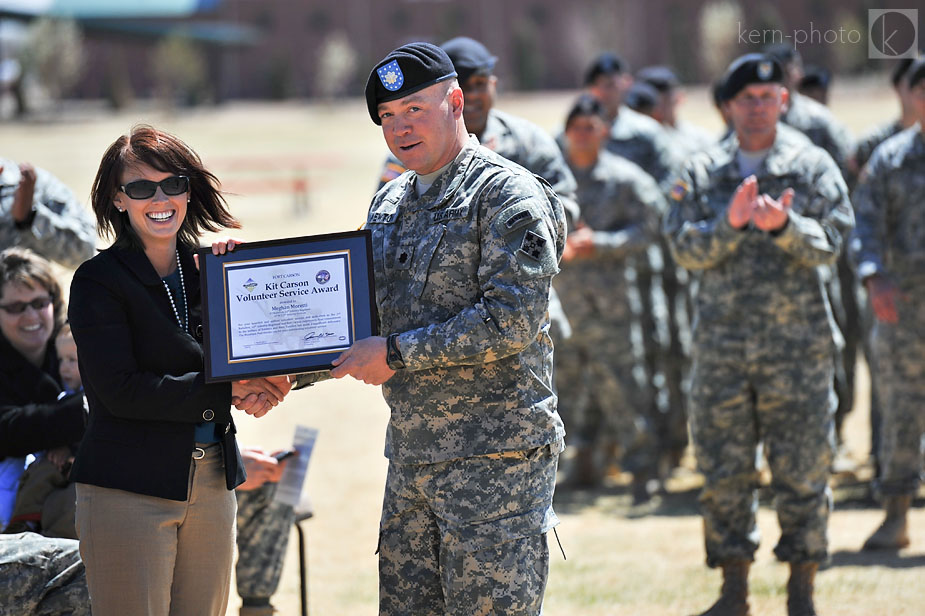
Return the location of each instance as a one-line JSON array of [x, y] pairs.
[[220, 247], [257, 396]]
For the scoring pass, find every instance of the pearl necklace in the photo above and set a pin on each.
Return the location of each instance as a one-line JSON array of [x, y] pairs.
[[184, 324]]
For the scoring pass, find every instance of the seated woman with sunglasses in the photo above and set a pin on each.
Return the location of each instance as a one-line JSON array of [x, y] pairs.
[[157, 467], [32, 418]]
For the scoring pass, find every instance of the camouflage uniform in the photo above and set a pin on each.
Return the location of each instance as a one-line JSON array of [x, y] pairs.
[[42, 576], [763, 345], [264, 526], [463, 277], [528, 145], [891, 242], [601, 391], [689, 139], [62, 229], [662, 286]]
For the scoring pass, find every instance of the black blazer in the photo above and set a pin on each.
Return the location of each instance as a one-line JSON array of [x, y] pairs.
[[31, 416], [144, 378]]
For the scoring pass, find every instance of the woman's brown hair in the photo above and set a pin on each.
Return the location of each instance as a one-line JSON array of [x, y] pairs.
[[207, 210], [22, 266]]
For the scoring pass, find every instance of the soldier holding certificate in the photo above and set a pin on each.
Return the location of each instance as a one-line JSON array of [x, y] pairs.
[[464, 249]]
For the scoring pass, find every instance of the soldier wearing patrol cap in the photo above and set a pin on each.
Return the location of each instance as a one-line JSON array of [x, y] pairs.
[[756, 217], [890, 260], [688, 137], [465, 245]]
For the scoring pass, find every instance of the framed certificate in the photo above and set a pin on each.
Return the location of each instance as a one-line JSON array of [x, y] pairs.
[[286, 306]]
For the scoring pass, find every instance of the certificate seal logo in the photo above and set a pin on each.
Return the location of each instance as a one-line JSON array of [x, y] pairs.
[[323, 276], [250, 285]]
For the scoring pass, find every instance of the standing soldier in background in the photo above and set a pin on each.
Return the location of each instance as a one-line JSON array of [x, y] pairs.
[[601, 391], [756, 216], [465, 245], [866, 147], [891, 263], [39, 212], [661, 286]]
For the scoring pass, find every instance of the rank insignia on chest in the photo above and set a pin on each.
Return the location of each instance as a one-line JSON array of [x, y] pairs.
[[403, 256], [679, 190], [533, 245]]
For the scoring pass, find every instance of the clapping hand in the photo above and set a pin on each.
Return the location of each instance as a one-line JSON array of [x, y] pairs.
[[771, 215], [767, 213]]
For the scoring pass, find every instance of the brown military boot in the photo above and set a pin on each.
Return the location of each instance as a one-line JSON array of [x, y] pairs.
[[800, 589], [734, 598], [893, 533]]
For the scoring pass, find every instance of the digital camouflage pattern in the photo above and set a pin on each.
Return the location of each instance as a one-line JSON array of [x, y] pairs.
[[63, 229], [264, 526], [869, 142], [814, 120], [601, 391], [443, 549], [463, 276], [763, 344], [641, 139], [891, 242], [528, 145], [41, 576]]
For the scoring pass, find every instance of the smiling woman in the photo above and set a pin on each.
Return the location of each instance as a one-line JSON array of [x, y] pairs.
[[159, 462], [32, 418]]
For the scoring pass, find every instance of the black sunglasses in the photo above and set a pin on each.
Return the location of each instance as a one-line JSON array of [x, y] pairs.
[[145, 189], [20, 307]]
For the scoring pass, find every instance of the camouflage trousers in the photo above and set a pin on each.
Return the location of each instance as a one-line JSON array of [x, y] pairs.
[[467, 536], [782, 396], [900, 351], [601, 385], [264, 526], [41, 576]]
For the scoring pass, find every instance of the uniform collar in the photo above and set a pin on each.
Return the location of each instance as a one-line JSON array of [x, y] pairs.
[[776, 163], [445, 186]]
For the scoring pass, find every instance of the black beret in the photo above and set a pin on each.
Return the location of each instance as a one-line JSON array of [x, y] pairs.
[[661, 78], [816, 77], [748, 69], [916, 71], [900, 70], [607, 63], [641, 97], [469, 57], [718, 91], [585, 105], [406, 70], [783, 53]]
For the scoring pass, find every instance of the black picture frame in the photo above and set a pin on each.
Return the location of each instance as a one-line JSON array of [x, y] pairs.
[[284, 281]]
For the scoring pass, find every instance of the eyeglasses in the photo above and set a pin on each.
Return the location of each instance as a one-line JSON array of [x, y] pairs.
[[145, 189], [20, 307]]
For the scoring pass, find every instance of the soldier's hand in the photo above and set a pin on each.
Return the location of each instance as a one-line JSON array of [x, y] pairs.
[[579, 244], [743, 203], [771, 215], [365, 361], [883, 294], [22, 198]]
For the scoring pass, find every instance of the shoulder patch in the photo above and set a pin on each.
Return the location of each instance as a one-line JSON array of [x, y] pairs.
[[515, 217], [533, 245], [679, 190]]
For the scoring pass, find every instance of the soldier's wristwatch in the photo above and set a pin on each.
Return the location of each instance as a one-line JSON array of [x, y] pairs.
[[392, 354]]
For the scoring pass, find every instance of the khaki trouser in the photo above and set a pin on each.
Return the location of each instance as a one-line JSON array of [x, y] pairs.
[[149, 556]]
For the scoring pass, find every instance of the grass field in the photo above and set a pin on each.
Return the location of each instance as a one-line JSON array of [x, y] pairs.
[[621, 560]]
